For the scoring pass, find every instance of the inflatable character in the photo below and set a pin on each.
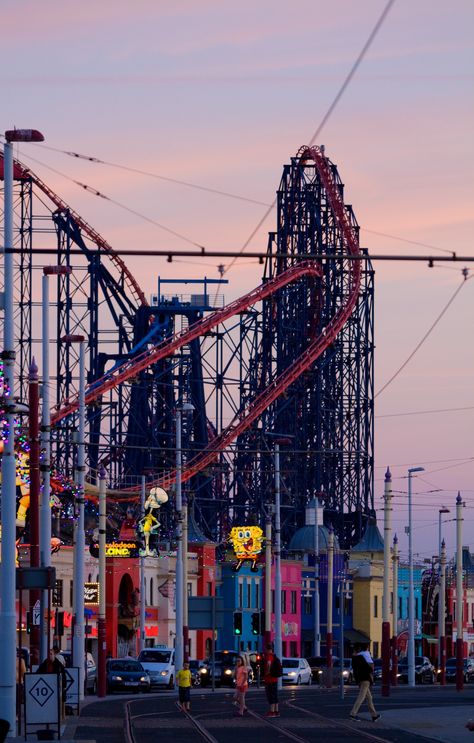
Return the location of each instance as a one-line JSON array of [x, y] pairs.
[[247, 545]]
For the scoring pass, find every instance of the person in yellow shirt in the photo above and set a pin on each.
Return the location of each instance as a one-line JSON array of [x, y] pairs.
[[183, 677]]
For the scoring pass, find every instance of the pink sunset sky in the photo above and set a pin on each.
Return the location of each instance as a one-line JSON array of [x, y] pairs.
[[222, 95]]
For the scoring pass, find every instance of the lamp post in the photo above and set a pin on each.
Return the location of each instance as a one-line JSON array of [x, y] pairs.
[[101, 630], [277, 553], [142, 570], [411, 588], [442, 510], [268, 578], [181, 571], [395, 612], [8, 639], [45, 466], [78, 648], [386, 586], [329, 606], [317, 611], [442, 626], [459, 597]]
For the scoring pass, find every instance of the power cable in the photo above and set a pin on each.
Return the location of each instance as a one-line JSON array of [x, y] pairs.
[[426, 412], [426, 335]]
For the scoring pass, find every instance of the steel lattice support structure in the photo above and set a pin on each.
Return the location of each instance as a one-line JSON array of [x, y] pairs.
[[328, 412]]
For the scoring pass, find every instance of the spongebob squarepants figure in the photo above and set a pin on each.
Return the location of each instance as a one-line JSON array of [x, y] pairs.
[[247, 545]]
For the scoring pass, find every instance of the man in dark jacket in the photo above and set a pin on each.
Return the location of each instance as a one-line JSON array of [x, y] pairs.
[[363, 675]]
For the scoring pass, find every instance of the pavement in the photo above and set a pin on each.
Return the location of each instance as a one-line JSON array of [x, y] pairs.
[[408, 716]]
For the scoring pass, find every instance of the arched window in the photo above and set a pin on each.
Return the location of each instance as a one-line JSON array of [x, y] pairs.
[[151, 591]]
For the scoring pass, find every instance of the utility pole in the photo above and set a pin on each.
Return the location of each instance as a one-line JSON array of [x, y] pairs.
[[395, 612], [33, 425], [142, 572], [268, 578], [459, 597], [101, 629], [411, 587], [442, 614], [317, 611], [179, 654], [329, 608], [442, 510], [386, 586], [278, 643]]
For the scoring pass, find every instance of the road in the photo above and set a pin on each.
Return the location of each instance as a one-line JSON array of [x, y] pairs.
[[308, 715]]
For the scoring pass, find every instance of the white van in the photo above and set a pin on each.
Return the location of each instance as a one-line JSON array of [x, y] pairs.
[[159, 662]]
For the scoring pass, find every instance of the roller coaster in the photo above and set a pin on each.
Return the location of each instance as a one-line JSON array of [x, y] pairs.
[[291, 359]]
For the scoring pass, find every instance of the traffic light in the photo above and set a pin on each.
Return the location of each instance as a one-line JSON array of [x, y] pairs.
[[237, 622], [59, 631], [256, 623]]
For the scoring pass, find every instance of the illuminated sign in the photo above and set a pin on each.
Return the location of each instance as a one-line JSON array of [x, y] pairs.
[[91, 594], [121, 549], [247, 545]]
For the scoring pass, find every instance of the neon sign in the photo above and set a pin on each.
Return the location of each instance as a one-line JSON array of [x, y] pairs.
[[121, 549]]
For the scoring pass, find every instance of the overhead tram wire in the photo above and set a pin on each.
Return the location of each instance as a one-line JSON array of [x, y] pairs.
[[426, 412], [424, 338]]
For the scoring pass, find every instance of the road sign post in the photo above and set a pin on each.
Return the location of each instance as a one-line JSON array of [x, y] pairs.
[[42, 702], [72, 695]]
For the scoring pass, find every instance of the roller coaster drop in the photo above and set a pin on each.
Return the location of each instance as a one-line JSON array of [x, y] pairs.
[[292, 358]]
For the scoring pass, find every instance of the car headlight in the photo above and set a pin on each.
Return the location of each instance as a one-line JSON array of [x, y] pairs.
[[228, 672], [291, 673], [345, 674], [143, 678], [163, 673], [203, 670], [398, 675], [117, 678]]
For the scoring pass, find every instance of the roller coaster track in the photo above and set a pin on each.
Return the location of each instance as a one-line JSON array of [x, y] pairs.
[[21, 172], [311, 269]]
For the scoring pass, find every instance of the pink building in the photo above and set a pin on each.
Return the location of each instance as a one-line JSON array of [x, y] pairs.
[[291, 583]]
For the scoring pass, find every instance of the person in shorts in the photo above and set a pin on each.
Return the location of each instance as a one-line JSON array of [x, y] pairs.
[[183, 677]]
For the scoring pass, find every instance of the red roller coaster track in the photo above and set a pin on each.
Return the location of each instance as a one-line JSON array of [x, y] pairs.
[[21, 172], [316, 347]]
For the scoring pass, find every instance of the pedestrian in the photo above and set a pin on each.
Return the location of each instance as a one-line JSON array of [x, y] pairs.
[[363, 669], [273, 670], [183, 677], [241, 685]]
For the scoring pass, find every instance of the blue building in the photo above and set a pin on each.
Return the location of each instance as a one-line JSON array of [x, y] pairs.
[[242, 592], [402, 596]]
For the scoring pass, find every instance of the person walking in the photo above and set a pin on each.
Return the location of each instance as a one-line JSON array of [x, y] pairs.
[[363, 669], [273, 670], [241, 685], [183, 677], [52, 664]]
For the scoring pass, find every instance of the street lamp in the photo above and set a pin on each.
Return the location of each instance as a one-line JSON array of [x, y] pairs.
[[411, 589], [442, 510], [8, 639], [78, 648], [181, 553]]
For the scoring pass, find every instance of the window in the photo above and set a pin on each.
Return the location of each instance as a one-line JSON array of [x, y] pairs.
[[307, 606], [257, 595], [209, 589], [391, 602], [293, 602], [376, 606], [249, 594], [416, 606], [273, 601], [400, 607], [241, 596], [283, 647], [71, 593], [57, 598], [376, 650], [151, 592], [190, 589], [293, 648], [283, 602]]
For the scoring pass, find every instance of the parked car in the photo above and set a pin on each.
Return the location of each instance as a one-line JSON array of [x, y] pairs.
[[296, 671], [127, 675], [195, 668], [347, 674], [317, 663], [468, 670], [424, 670], [224, 667], [159, 663], [90, 670]]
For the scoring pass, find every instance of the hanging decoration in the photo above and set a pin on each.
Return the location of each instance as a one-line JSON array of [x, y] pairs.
[[148, 525], [247, 545]]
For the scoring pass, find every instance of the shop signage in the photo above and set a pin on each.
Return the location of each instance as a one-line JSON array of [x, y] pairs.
[[91, 594], [124, 548]]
